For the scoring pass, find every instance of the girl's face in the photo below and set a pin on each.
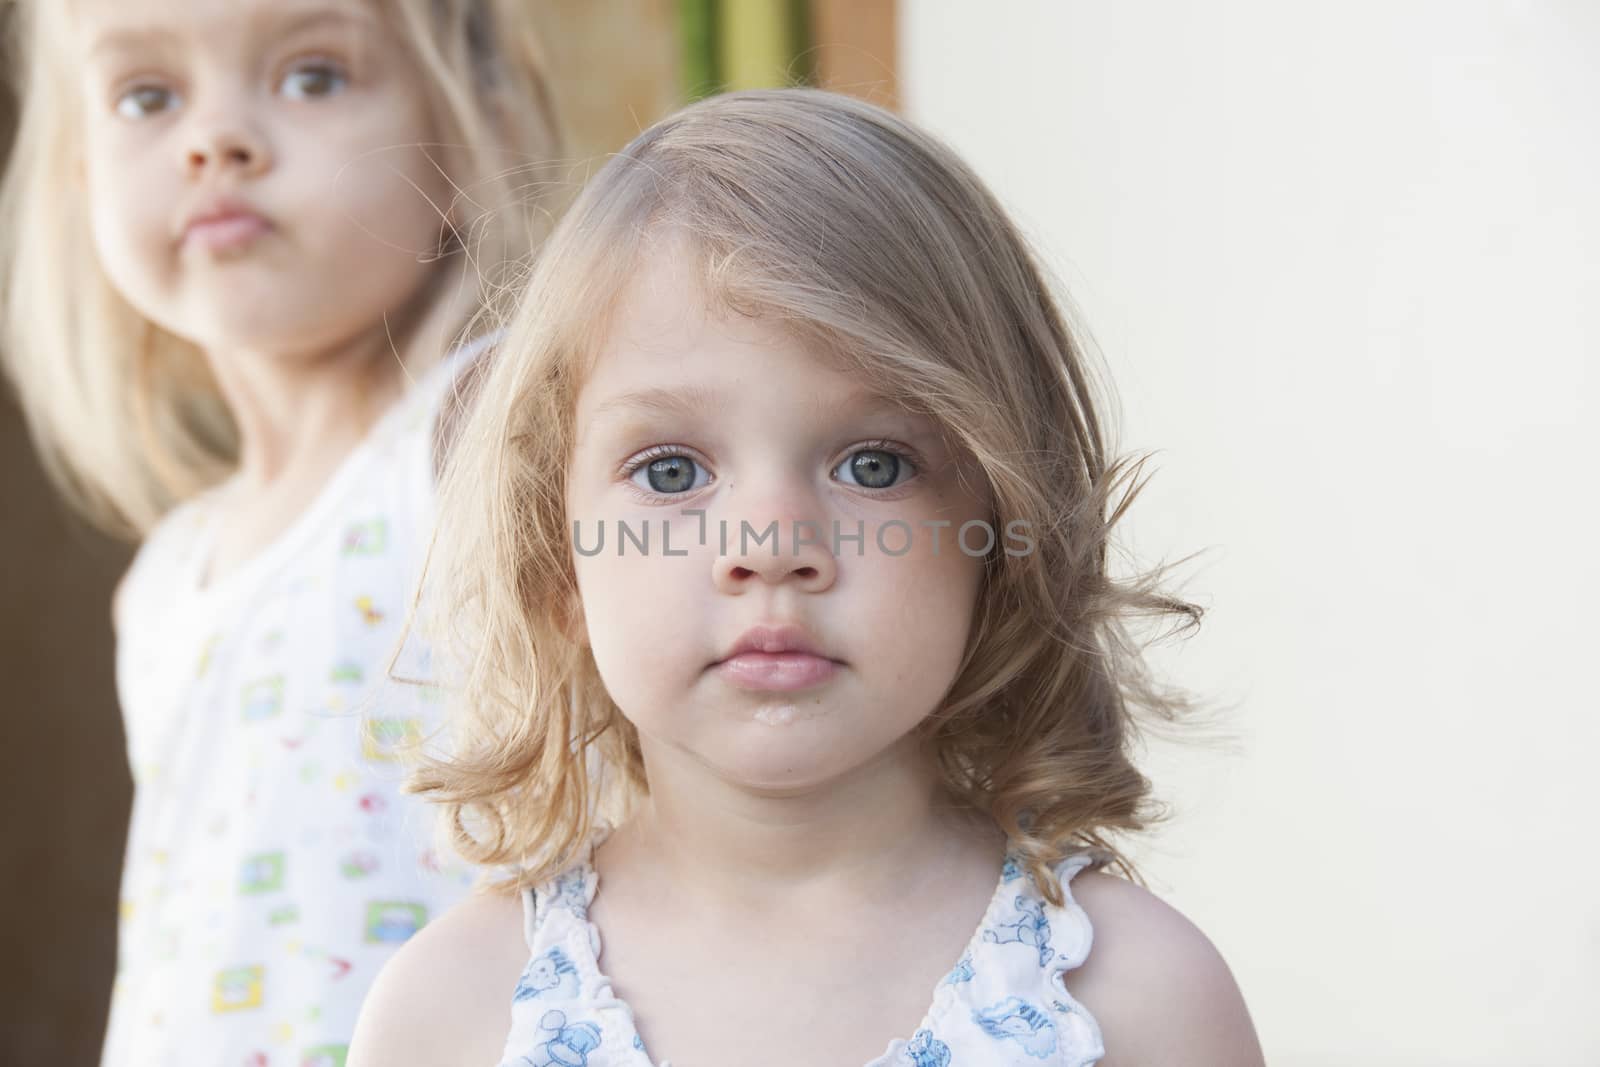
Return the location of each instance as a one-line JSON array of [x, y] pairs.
[[762, 655], [217, 137]]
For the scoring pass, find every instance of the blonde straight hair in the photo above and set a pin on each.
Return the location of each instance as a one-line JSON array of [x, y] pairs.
[[127, 417], [879, 248]]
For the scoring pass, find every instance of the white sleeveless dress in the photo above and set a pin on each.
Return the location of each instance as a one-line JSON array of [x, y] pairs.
[[1003, 1003], [272, 863]]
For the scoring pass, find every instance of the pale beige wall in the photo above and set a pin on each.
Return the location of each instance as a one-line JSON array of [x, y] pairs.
[[1344, 261]]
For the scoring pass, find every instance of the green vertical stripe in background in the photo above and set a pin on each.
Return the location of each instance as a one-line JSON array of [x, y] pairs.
[[744, 44], [697, 34]]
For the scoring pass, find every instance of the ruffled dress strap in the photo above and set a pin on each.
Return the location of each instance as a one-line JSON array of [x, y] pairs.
[[1006, 1001], [563, 1010]]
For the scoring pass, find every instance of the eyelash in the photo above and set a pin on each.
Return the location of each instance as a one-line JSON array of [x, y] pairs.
[[643, 459]]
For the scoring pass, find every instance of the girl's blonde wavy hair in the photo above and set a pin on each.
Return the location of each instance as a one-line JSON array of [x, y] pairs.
[[873, 243], [126, 417]]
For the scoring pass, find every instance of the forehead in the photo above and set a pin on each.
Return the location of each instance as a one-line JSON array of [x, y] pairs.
[[112, 22], [667, 334]]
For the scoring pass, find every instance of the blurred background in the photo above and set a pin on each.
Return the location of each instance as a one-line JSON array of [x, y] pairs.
[[1344, 264]]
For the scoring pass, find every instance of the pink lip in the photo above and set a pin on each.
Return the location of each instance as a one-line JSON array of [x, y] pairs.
[[775, 658], [225, 229], [776, 671]]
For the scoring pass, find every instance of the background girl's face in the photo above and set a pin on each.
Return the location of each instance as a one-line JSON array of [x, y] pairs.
[[216, 133], [688, 409]]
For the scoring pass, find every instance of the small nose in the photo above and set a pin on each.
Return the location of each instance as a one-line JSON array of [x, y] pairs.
[[224, 144], [790, 552]]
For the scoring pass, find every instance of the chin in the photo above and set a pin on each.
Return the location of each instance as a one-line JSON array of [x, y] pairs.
[[784, 755]]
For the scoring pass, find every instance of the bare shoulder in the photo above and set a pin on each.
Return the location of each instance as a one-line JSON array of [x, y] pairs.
[[1159, 988], [445, 997]]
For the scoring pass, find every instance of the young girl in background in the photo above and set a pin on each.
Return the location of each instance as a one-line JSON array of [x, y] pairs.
[[240, 236], [796, 696]]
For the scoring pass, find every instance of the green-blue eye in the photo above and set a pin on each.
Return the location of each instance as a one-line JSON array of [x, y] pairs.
[[670, 474], [872, 468]]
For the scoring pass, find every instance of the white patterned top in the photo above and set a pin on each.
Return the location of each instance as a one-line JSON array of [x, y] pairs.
[[272, 864]]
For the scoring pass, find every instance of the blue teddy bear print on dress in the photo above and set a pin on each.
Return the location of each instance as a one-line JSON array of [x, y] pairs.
[[925, 1050], [569, 1044], [1029, 927], [961, 972], [552, 971], [1016, 1020]]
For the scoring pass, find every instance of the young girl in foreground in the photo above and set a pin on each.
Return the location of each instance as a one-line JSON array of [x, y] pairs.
[[796, 681], [240, 235]]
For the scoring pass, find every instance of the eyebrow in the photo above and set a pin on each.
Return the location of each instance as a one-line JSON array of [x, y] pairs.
[[350, 17], [694, 401], [688, 400], [127, 40]]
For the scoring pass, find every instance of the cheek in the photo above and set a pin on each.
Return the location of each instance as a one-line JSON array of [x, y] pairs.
[[378, 229], [914, 615], [384, 175], [636, 615], [391, 205], [129, 222]]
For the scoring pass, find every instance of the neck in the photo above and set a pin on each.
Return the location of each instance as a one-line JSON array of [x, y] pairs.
[[290, 410], [295, 407], [860, 837]]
